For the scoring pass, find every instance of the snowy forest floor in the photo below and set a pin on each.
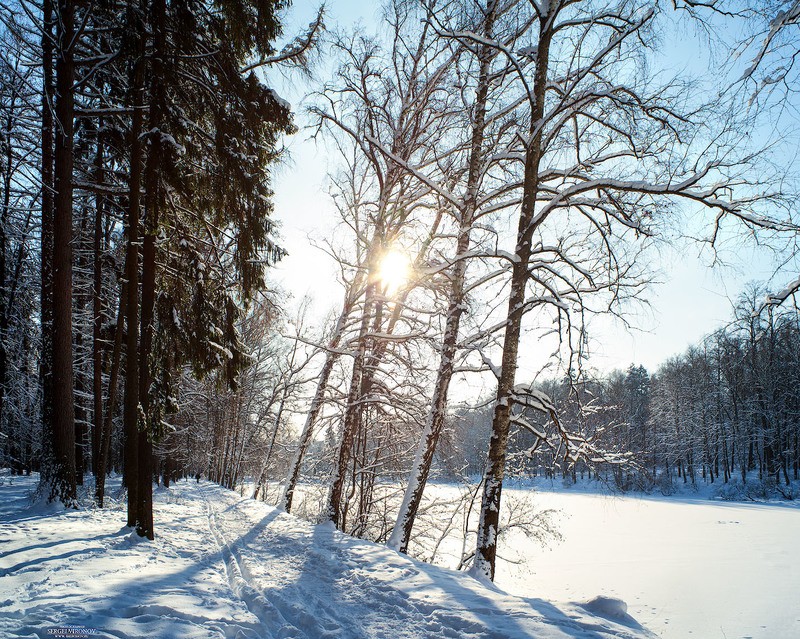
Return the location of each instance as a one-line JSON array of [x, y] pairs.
[[227, 566]]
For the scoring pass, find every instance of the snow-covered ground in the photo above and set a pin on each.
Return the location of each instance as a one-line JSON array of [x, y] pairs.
[[226, 566], [686, 567]]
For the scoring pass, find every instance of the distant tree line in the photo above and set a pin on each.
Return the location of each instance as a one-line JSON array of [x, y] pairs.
[[727, 409]]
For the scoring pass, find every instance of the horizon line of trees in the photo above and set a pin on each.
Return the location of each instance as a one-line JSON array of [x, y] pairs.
[[726, 410]]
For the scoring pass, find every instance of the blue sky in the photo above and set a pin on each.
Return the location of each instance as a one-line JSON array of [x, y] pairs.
[[691, 300]]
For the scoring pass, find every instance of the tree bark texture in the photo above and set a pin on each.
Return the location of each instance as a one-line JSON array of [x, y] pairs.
[[46, 245], [488, 526], [62, 487]]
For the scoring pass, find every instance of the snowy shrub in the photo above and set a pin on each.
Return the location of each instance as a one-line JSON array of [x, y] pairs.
[[665, 485], [757, 490], [732, 491], [760, 490]]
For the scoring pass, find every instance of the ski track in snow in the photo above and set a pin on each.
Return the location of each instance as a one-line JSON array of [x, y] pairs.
[[227, 567]]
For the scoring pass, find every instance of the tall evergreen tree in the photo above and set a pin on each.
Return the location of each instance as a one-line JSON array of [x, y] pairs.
[[211, 133], [62, 481]]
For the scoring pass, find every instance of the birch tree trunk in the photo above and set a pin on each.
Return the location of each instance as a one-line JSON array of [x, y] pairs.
[[352, 416], [401, 533], [131, 407]]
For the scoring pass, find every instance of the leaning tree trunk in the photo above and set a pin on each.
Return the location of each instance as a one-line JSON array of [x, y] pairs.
[[488, 526], [331, 357], [352, 414], [62, 481], [401, 533]]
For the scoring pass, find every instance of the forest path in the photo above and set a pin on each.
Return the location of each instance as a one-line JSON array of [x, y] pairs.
[[85, 568], [286, 607]]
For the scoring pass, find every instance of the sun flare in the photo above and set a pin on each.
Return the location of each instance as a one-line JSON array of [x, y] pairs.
[[394, 271]]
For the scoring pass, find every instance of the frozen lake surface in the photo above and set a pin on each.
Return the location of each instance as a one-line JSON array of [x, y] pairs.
[[685, 567]]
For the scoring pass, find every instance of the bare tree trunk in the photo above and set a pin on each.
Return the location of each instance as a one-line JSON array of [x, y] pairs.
[[262, 478], [331, 356], [97, 309], [46, 237], [62, 487], [81, 408], [81, 414], [153, 204], [486, 551], [401, 533], [352, 414], [7, 160], [105, 437], [131, 407]]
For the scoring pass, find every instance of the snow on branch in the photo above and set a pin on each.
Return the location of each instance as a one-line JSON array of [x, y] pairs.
[[782, 19], [573, 447], [295, 52], [431, 184], [776, 299]]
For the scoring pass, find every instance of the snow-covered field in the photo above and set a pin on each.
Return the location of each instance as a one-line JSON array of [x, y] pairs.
[[226, 566], [685, 567]]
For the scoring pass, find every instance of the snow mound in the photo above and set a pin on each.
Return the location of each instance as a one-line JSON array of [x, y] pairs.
[[224, 566], [607, 607], [613, 609]]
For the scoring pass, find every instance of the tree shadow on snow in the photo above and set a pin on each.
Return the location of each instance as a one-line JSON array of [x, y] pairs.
[[52, 544]]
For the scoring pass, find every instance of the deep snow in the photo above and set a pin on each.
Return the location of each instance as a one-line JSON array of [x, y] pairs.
[[227, 566]]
